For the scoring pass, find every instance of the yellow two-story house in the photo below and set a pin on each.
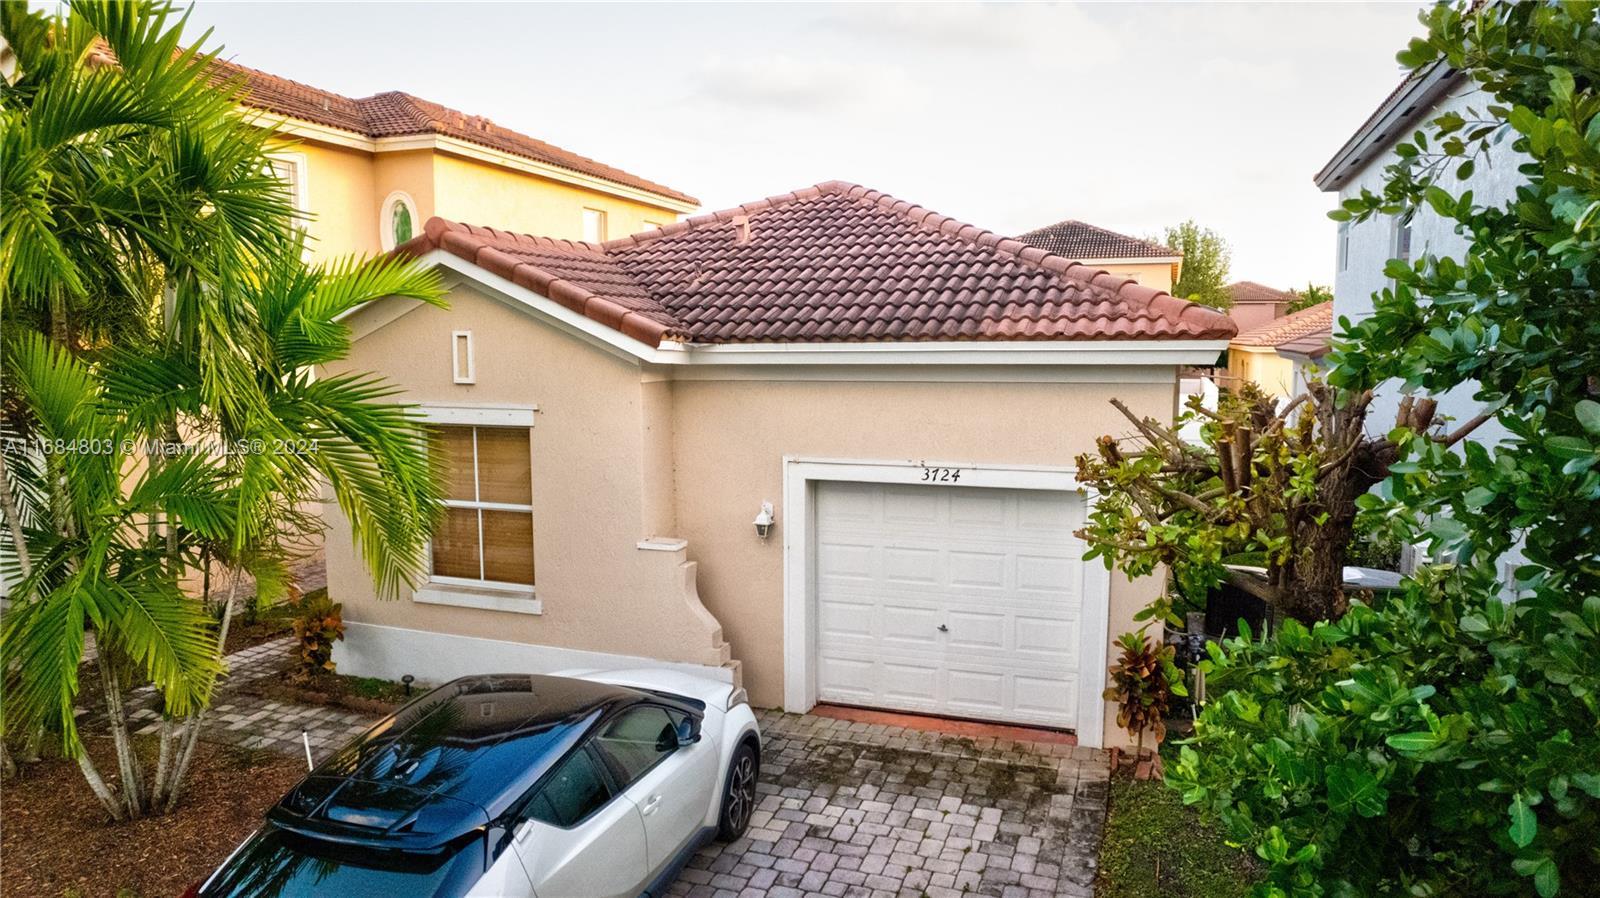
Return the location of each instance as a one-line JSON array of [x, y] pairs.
[[368, 172]]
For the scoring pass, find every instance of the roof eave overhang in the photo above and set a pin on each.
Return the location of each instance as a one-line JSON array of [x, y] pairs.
[[453, 146], [1400, 113], [675, 354]]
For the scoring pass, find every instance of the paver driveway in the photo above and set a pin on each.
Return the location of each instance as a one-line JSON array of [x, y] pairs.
[[858, 810], [846, 809]]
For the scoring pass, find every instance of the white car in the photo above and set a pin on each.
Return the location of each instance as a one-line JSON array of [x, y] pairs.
[[599, 785]]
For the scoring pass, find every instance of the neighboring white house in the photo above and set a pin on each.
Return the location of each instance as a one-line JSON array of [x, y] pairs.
[[1362, 248]]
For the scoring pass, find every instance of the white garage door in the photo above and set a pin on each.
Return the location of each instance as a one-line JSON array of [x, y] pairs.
[[957, 601]]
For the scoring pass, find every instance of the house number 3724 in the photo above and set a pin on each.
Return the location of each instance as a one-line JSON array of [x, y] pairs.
[[941, 475]]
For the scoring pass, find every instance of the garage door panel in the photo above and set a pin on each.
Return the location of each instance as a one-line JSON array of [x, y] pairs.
[[999, 569], [836, 559], [911, 507], [977, 630], [841, 618], [975, 508], [903, 623], [906, 564], [1051, 636], [978, 569], [973, 691], [1046, 697]]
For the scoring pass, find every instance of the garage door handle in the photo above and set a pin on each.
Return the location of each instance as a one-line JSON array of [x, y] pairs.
[[943, 628]]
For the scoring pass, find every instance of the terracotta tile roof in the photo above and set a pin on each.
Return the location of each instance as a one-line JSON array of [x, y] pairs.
[[393, 114], [1081, 241], [1250, 291], [1314, 345], [1289, 327], [830, 263]]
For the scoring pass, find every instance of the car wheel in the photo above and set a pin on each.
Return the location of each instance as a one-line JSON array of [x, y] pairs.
[[739, 795]]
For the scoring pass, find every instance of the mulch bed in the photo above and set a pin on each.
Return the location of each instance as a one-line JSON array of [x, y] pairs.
[[363, 694], [58, 843]]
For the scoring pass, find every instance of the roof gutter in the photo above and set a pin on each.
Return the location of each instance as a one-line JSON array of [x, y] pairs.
[[1404, 109]]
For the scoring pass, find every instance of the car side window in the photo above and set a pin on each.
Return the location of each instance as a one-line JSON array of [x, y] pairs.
[[635, 741], [575, 790]]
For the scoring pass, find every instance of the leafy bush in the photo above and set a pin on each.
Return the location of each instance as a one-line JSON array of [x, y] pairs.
[[318, 624], [1446, 741], [1143, 682]]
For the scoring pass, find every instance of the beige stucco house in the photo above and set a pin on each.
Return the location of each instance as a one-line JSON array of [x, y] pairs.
[[901, 395], [1144, 261], [1280, 354]]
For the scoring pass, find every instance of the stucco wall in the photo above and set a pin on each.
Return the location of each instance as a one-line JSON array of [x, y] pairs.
[[1268, 370], [1150, 274], [731, 437], [339, 187], [599, 591], [620, 454], [479, 193]]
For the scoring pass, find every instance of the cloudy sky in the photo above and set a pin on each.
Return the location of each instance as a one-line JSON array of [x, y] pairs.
[[1128, 115]]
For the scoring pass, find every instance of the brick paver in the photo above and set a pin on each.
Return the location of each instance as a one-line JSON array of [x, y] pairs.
[[250, 721], [864, 810], [845, 809]]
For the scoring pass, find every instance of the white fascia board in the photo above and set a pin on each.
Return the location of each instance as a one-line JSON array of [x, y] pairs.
[[1120, 353], [466, 149], [283, 125], [976, 352]]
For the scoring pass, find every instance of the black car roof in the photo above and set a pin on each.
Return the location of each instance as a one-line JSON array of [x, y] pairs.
[[449, 762]]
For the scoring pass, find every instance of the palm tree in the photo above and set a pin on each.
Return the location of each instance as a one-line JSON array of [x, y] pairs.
[[152, 289]]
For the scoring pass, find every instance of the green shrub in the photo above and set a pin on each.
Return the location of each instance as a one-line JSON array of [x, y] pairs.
[[318, 624]]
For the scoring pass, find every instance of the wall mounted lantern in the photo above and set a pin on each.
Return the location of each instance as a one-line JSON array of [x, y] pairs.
[[764, 521]]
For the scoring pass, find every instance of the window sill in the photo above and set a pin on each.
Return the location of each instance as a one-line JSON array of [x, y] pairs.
[[513, 602]]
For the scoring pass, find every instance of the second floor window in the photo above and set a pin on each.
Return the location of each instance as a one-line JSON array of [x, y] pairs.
[[594, 226], [486, 537], [397, 220], [1402, 238], [1344, 246]]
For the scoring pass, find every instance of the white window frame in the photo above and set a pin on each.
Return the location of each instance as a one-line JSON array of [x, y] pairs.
[[493, 595], [1344, 246], [386, 218], [1403, 224], [602, 219], [798, 531]]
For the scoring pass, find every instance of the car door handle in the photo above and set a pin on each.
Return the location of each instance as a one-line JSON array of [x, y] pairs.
[[650, 805]]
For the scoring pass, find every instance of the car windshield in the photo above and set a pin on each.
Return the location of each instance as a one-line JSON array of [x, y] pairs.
[[275, 863]]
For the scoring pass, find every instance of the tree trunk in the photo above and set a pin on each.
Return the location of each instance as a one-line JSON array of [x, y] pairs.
[[97, 785], [133, 796], [8, 506], [190, 733]]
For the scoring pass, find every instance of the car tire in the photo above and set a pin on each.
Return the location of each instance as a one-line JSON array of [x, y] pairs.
[[739, 794]]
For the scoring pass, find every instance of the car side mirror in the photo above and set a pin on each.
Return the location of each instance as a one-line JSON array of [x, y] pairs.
[[688, 731]]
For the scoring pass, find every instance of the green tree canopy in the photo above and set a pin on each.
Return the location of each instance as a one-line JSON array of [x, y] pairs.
[[1446, 741], [1206, 256], [153, 292]]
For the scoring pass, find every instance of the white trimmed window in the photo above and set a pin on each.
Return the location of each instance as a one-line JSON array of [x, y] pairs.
[[1402, 238], [594, 226], [290, 168], [398, 220], [486, 538], [1344, 246]]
